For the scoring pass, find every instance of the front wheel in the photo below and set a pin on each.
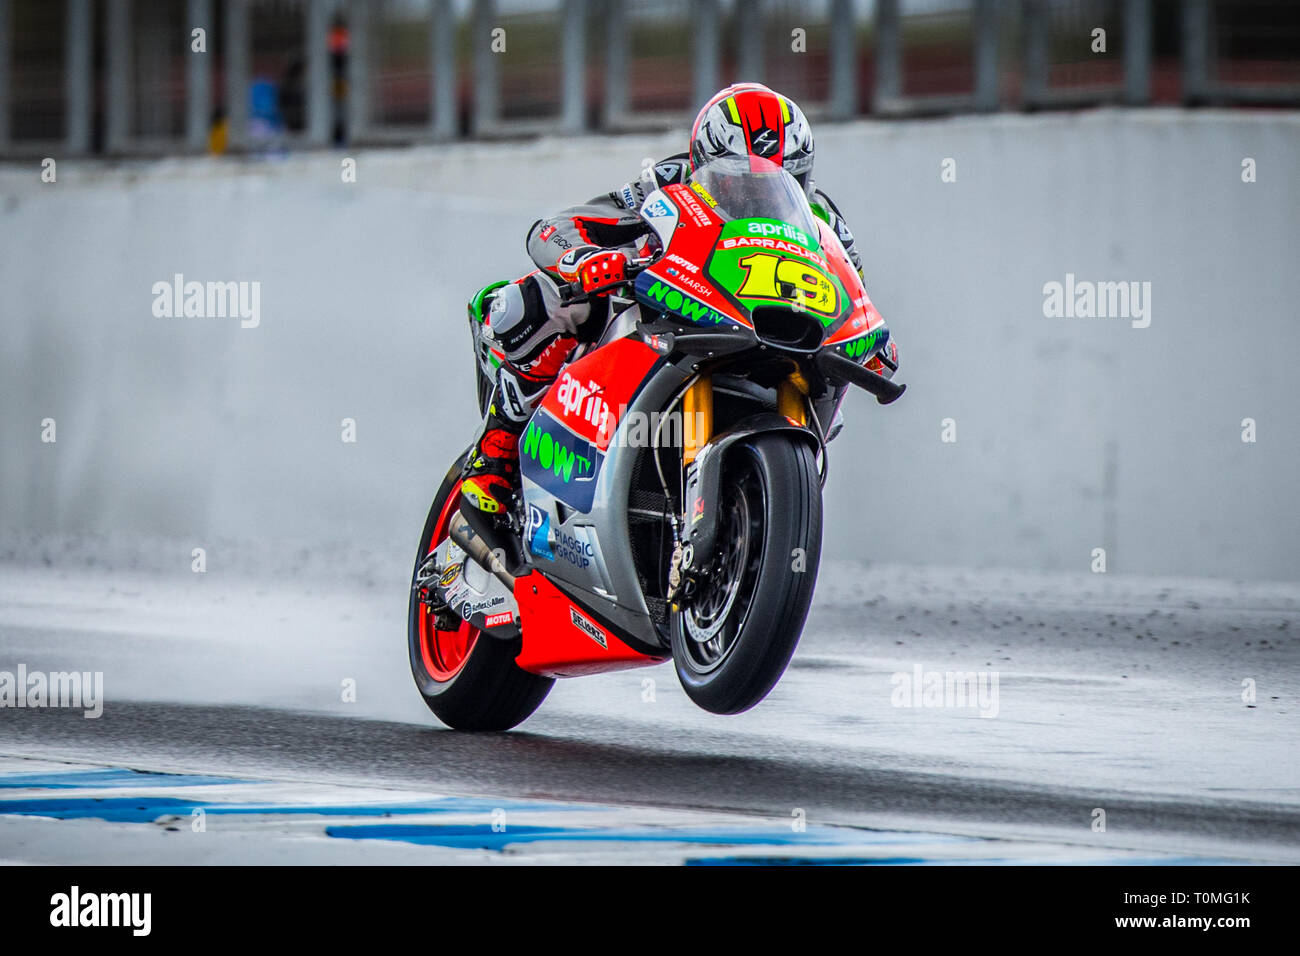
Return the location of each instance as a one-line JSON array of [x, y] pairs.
[[732, 644], [469, 681]]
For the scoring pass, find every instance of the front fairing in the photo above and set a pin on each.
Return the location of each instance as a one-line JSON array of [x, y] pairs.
[[718, 270]]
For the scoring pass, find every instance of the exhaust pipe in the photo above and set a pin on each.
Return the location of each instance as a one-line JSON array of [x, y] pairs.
[[472, 543]]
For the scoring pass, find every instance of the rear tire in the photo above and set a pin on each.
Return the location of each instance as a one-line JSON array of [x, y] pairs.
[[469, 681], [769, 543]]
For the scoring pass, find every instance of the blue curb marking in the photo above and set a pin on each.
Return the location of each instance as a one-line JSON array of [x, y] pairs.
[[482, 836], [149, 808], [812, 861], [112, 809], [107, 777], [918, 861]]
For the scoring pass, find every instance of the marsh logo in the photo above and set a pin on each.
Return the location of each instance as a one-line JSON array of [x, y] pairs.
[[75, 909], [591, 630], [694, 284], [208, 300]]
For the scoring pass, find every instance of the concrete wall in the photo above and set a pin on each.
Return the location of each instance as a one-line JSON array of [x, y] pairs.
[[1072, 433]]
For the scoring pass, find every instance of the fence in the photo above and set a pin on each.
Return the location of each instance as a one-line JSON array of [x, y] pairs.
[[121, 77]]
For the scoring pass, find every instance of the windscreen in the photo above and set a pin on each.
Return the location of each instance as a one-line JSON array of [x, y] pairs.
[[752, 188]]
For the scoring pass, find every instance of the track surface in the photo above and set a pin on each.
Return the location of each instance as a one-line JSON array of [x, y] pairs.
[[1119, 694]]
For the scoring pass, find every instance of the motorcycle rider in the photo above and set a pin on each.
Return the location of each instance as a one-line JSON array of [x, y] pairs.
[[591, 244]]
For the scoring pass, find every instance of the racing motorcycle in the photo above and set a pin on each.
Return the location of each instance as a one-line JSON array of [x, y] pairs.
[[672, 475]]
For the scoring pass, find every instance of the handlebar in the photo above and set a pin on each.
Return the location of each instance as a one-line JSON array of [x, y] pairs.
[[572, 293]]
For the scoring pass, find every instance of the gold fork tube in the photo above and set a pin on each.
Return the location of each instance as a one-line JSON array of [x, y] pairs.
[[697, 417], [789, 400]]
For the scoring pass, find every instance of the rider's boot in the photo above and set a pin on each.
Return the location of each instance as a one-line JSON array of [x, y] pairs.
[[491, 471]]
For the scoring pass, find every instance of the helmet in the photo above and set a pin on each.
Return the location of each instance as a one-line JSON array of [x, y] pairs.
[[748, 119]]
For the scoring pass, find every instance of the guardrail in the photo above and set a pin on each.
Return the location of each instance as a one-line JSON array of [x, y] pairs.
[[124, 77]]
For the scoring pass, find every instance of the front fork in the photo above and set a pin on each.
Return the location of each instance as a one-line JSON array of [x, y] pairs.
[[792, 399], [695, 537], [697, 429]]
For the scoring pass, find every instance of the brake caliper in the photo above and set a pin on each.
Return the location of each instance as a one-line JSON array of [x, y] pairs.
[[682, 586]]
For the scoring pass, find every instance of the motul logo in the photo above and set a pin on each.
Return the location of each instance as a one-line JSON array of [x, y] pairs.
[[683, 262]]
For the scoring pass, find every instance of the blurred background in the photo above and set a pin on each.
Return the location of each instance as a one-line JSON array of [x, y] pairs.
[[141, 139], [133, 77]]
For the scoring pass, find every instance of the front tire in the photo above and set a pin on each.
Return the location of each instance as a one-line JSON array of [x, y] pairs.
[[732, 644], [469, 681]]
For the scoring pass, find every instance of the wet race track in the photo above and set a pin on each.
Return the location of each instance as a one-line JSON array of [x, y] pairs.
[[1097, 700]]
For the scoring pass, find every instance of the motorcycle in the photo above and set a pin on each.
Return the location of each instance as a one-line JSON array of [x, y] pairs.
[[672, 475]]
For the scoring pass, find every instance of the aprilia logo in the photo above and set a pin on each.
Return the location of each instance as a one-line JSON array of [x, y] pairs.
[[778, 229], [584, 401]]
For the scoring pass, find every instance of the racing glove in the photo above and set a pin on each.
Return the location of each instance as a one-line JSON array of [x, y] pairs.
[[599, 270]]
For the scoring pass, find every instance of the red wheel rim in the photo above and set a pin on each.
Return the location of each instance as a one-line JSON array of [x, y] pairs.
[[444, 652]]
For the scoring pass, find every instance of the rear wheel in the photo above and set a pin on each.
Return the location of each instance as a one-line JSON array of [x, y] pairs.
[[468, 680], [732, 643]]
